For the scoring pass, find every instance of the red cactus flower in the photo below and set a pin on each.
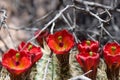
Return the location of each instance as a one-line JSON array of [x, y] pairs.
[[35, 52], [111, 52], [16, 62], [88, 61], [88, 45], [42, 36], [60, 42]]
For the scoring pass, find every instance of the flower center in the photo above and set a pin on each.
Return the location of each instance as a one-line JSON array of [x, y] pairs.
[[17, 63], [17, 55], [88, 42], [60, 39], [30, 47], [113, 48], [17, 59], [90, 53], [61, 44]]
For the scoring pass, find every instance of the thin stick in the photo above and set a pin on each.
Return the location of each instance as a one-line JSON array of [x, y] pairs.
[[52, 28], [46, 69], [68, 15], [97, 5], [13, 42], [3, 23], [74, 15]]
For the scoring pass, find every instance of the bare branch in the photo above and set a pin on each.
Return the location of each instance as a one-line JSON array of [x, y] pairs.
[[3, 23], [97, 5]]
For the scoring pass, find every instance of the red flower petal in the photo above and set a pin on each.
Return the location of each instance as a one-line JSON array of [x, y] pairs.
[[42, 36], [61, 42], [88, 45], [14, 64], [35, 52], [88, 62], [111, 52]]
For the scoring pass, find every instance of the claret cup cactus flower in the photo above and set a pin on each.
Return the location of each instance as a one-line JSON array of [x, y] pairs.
[[60, 43], [88, 61], [41, 37], [88, 45], [19, 62], [111, 53], [34, 51], [16, 62]]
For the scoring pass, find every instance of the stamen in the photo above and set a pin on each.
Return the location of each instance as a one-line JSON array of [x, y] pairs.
[[113, 48], [88, 42], [30, 47], [17, 59], [17, 55], [59, 37], [90, 53], [60, 41]]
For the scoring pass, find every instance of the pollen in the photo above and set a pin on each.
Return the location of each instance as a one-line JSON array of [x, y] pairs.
[[90, 53], [113, 48], [30, 47], [17, 55], [60, 41], [59, 37], [88, 42]]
